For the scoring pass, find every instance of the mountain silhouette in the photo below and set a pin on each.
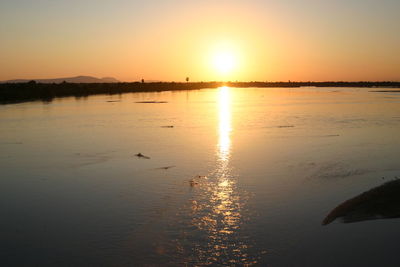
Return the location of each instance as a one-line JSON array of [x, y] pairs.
[[77, 79]]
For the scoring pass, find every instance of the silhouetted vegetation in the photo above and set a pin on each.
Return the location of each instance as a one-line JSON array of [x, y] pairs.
[[21, 92], [378, 203]]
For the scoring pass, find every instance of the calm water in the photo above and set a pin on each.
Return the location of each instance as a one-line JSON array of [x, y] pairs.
[[251, 174]]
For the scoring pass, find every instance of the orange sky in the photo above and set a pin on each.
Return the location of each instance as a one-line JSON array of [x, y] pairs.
[[169, 40]]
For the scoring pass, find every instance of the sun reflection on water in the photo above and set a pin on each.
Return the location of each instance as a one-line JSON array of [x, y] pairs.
[[226, 203], [210, 229], [217, 208], [225, 128]]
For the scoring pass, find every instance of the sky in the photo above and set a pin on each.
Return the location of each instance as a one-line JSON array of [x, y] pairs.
[[316, 40]]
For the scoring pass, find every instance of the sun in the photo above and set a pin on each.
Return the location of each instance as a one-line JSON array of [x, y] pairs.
[[224, 62]]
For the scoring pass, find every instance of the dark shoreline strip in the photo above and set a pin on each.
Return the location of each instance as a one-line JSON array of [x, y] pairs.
[[23, 92]]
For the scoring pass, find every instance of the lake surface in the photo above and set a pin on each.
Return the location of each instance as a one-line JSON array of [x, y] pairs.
[[244, 176]]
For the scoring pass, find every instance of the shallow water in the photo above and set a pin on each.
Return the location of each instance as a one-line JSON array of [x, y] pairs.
[[251, 175]]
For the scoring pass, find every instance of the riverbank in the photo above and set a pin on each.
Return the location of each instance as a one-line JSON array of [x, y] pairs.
[[23, 92]]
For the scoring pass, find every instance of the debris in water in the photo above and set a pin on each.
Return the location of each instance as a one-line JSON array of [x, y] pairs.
[[11, 143], [152, 102], [331, 135], [386, 91], [140, 155], [166, 167], [193, 183], [285, 126]]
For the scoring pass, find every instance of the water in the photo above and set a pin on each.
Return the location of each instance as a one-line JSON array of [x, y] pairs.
[[251, 174]]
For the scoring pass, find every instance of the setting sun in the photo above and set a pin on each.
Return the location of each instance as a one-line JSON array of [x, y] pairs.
[[224, 62]]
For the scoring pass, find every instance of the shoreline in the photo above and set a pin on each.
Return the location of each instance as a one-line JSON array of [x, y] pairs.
[[11, 93]]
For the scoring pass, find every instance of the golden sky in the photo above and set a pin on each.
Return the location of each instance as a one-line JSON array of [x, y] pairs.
[[205, 40]]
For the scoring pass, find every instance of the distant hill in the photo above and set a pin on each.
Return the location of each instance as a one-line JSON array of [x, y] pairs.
[[77, 79]]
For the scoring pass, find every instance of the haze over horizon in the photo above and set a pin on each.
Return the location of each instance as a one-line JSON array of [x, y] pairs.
[[228, 40]]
